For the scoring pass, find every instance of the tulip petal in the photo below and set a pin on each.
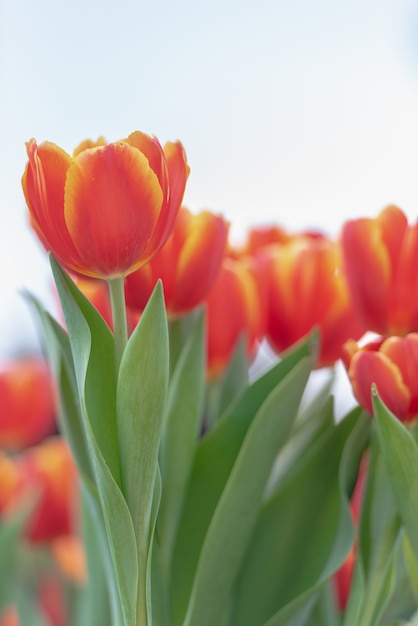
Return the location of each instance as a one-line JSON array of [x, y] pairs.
[[403, 352], [367, 368], [364, 249], [178, 172], [202, 239], [112, 204], [43, 184]]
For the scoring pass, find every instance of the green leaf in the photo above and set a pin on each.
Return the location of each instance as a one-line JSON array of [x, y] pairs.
[[180, 436], [99, 602], [411, 564], [236, 513], [225, 388], [400, 454], [93, 354], [304, 531], [69, 411], [10, 540], [377, 552], [121, 535], [141, 403], [215, 458]]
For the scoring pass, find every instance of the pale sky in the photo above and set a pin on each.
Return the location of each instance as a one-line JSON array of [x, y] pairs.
[[299, 112]]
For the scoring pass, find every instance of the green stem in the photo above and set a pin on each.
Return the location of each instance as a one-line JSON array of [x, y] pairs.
[[120, 326]]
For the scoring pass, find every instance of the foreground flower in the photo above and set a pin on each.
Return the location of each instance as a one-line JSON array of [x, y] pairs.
[[108, 209], [391, 363], [307, 289], [187, 264], [381, 260], [27, 412]]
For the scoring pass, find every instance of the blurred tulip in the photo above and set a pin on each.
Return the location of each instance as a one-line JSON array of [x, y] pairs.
[[51, 600], [233, 311], [48, 473], [69, 554], [187, 264], [381, 260], [391, 363], [9, 616], [27, 412], [344, 575], [108, 209], [307, 289], [258, 238]]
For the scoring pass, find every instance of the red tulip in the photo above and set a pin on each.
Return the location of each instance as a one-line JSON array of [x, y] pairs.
[[187, 264], [106, 210], [381, 260], [46, 471], [233, 311], [27, 412], [307, 289], [391, 363]]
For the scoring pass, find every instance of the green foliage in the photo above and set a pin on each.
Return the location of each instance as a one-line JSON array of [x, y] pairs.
[[226, 502]]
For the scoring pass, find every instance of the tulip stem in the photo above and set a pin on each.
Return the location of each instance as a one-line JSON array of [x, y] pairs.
[[120, 327]]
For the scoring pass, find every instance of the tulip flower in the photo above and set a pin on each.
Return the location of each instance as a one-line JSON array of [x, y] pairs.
[[27, 412], [258, 238], [187, 264], [233, 311], [307, 289], [106, 210], [391, 363], [381, 260], [48, 472], [69, 555]]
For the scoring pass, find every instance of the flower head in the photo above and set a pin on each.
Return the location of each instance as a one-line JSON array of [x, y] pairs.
[[391, 363], [381, 260], [187, 264], [307, 289], [106, 210], [27, 408]]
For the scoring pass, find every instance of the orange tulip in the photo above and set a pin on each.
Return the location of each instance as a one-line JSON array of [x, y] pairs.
[[307, 289], [27, 411], [391, 363], [381, 260], [69, 555], [48, 472], [187, 264], [106, 210], [258, 238], [233, 311]]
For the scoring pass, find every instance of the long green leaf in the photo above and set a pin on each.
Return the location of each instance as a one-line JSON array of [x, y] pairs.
[[93, 355], [69, 411], [141, 402], [236, 513], [180, 436], [214, 460], [376, 554], [400, 454], [304, 531]]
